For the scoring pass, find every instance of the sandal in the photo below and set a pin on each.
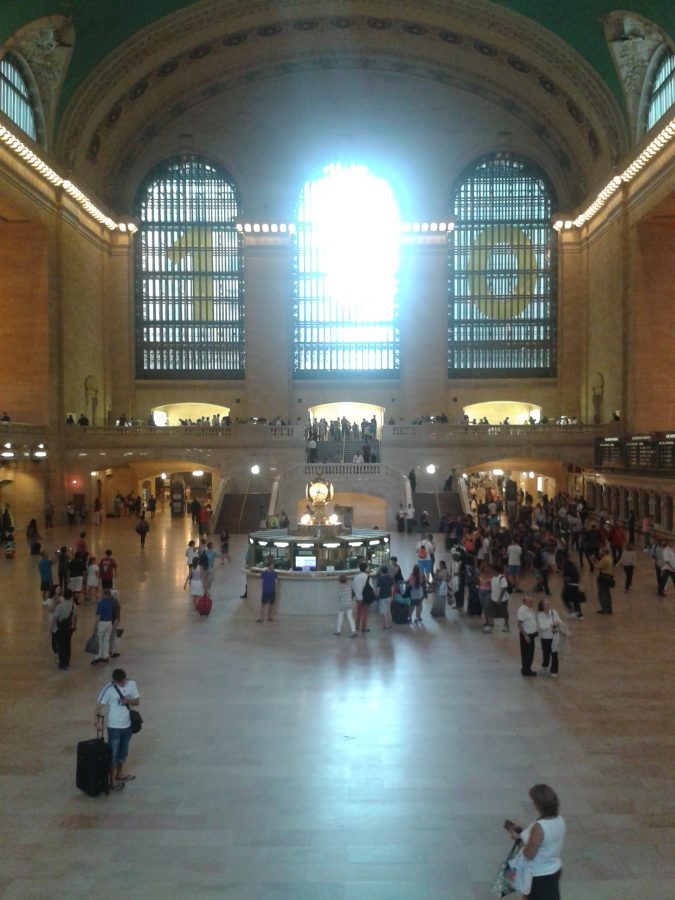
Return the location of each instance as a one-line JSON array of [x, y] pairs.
[[127, 778], [119, 786]]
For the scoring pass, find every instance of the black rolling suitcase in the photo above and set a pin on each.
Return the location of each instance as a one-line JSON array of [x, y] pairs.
[[93, 766], [400, 612]]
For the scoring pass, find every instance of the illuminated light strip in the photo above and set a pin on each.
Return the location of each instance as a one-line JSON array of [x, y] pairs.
[[291, 228], [41, 167], [655, 146]]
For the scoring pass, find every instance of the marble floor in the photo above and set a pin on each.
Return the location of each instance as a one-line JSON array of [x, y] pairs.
[[278, 761]]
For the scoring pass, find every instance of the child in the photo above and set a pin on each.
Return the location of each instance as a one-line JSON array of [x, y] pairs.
[[92, 579], [344, 606]]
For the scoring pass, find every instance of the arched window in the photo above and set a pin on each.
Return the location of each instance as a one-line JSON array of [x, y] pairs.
[[189, 295], [345, 315], [15, 97], [502, 281], [662, 95]]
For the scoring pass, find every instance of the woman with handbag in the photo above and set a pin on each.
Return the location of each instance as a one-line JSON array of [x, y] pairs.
[[551, 629], [539, 860]]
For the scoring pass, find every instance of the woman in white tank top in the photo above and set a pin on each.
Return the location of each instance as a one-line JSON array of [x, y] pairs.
[[542, 844]]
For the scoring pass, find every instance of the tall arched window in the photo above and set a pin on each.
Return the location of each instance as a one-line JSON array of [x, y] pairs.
[[662, 94], [189, 295], [345, 314], [502, 280], [15, 97]]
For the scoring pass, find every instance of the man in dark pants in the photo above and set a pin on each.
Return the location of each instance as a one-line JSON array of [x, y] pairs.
[[527, 628]]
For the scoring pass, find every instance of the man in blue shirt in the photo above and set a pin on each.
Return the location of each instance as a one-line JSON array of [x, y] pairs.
[[269, 586], [104, 620]]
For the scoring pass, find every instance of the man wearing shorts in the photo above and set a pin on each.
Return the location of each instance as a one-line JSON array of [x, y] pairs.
[[118, 695], [269, 587], [514, 561]]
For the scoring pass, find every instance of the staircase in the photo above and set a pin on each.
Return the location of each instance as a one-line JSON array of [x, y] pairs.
[[232, 517], [449, 504], [332, 451]]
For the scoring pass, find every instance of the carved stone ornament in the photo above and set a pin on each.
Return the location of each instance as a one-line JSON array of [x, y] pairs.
[[46, 46], [632, 41]]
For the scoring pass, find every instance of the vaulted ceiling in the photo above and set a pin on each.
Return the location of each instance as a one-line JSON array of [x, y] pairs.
[[273, 88]]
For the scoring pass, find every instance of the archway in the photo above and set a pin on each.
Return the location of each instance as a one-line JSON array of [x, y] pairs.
[[497, 411], [174, 413], [354, 412]]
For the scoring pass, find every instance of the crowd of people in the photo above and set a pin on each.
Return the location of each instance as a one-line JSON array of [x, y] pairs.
[[341, 429]]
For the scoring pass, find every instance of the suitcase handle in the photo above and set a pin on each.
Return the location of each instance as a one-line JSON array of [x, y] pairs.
[[99, 725]]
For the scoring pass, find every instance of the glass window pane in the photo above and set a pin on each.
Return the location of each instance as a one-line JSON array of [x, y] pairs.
[[502, 278], [346, 260], [663, 90], [15, 97], [189, 292]]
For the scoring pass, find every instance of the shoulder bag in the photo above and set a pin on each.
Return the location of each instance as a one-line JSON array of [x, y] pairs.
[[134, 715]]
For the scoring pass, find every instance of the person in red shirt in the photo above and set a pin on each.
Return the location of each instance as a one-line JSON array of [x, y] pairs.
[[617, 538], [107, 570], [204, 519]]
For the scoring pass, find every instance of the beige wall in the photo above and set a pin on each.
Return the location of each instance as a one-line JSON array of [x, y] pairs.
[[24, 332], [651, 359]]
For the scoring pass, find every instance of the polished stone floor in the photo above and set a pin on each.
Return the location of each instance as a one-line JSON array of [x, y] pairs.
[[278, 761]]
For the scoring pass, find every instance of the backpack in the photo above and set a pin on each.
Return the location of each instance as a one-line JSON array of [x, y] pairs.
[[204, 559], [368, 592], [422, 552]]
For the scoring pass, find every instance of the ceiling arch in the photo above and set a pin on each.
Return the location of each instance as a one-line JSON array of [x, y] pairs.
[[531, 87]]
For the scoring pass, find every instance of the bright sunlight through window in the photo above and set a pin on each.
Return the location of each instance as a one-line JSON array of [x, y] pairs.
[[347, 261]]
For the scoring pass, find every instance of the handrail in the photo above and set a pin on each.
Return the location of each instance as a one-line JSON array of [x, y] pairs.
[[273, 496], [464, 497]]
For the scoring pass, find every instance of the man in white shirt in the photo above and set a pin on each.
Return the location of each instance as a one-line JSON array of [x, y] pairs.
[[499, 596], [527, 630], [425, 550], [514, 554], [118, 695]]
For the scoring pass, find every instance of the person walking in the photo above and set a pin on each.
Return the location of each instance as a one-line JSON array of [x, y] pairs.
[[142, 529], [93, 579], [344, 606], [627, 562], [64, 620], [542, 842], [527, 633], [358, 584], [499, 597], [605, 583], [117, 696], [107, 570], [668, 567], [269, 592], [45, 571], [194, 579], [551, 627], [104, 620], [570, 594], [385, 592], [416, 583]]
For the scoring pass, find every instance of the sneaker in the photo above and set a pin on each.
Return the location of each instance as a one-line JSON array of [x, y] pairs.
[[529, 674], [353, 634], [114, 655], [554, 675], [336, 633], [580, 617], [506, 628], [95, 662], [363, 630]]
